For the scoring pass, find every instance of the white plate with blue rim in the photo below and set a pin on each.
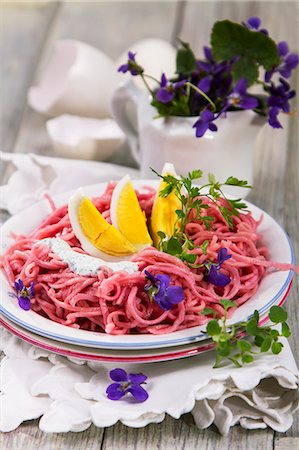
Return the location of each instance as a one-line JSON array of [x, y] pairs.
[[272, 288]]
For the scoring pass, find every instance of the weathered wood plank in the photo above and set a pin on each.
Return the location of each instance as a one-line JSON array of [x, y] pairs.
[[22, 34], [286, 443]]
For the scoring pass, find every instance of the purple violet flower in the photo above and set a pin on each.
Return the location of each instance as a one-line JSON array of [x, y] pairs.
[[125, 383], [240, 98], [213, 275], [272, 117], [162, 292], [205, 122], [24, 294], [131, 66], [167, 90], [253, 24], [279, 101], [289, 62]]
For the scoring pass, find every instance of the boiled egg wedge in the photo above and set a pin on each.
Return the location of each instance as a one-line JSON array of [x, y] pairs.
[[163, 216], [127, 215], [97, 237]]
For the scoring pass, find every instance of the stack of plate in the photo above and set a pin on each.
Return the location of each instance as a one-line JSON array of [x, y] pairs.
[[88, 345]]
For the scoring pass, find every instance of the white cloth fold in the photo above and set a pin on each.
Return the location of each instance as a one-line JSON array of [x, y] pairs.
[[35, 175], [69, 394]]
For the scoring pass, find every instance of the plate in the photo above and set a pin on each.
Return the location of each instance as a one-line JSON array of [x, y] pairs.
[[271, 290], [117, 356]]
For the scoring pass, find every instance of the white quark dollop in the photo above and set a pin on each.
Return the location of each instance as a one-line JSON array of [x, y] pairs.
[[85, 264]]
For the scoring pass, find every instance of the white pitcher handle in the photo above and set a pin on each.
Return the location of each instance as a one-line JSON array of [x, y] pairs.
[[124, 111]]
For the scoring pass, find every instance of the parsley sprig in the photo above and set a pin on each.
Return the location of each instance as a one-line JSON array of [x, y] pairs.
[[240, 351], [192, 199]]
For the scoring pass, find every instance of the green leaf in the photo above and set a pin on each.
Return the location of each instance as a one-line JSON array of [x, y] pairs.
[[174, 247], [195, 174], [189, 257], [258, 340], [247, 359], [227, 303], [256, 316], [276, 347], [230, 39], [266, 344], [245, 68], [243, 345], [224, 349], [251, 327], [180, 213], [285, 330], [211, 178], [213, 328], [208, 311], [204, 246], [161, 235], [277, 314], [185, 60]]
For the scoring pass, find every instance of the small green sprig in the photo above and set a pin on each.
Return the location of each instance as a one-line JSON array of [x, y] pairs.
[[179, 243], [240, 351]]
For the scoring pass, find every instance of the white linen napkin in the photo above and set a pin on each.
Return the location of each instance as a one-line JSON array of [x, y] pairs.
[[69, 394], [34, 175]]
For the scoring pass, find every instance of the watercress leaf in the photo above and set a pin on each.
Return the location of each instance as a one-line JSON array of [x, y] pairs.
[[161, 235], [189, 257], [277, 314], [285, 330], [256, 316], [258, 340], [266, 344], [174, 247], [274, 334], [213, 328], [251, 327], [227, 303], [243, 345], [208, 311], [276, 347], [195, 174], [247, 359], [224, 349], [180, 213], [185, 60]]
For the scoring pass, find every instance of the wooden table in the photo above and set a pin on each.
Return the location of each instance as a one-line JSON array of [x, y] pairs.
[[28, 32]]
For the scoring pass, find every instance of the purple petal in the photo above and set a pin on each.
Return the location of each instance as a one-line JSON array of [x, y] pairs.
[[241, 86], [217, 278], [248, 102], [205, 84], [201, 128], [207, 116], [164, 281], [115, 391], [175, 294], [179, 84], [208, 53], [254, 22], [223, 256], [264, 31], [268, 75], [285, 72], [19, 285], [163, 82], [163, 302], [137, 378], [150, 276], [272, 117], [282, 48], [24, 303], [131, 56], [163, 95], [118, 375], [123, 68], [213, 127], [138, 392], [204, 66]]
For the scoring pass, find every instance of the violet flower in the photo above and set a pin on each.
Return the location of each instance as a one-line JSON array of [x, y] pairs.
[[213, 274], [240, 98], [218, 75], [253, 24], [279, 100], [162, 292], [205, 122], [167, 90], [289, 62], [131, 66], [126, 383], [24, 294]]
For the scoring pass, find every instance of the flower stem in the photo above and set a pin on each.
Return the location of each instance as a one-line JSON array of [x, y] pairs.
[[146, 83], [202, 93]]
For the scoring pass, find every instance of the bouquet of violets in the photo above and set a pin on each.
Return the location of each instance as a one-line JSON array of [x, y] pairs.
[[208, 88]]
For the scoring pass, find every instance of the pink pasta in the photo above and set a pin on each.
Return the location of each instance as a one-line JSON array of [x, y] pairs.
[[115, 302]]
